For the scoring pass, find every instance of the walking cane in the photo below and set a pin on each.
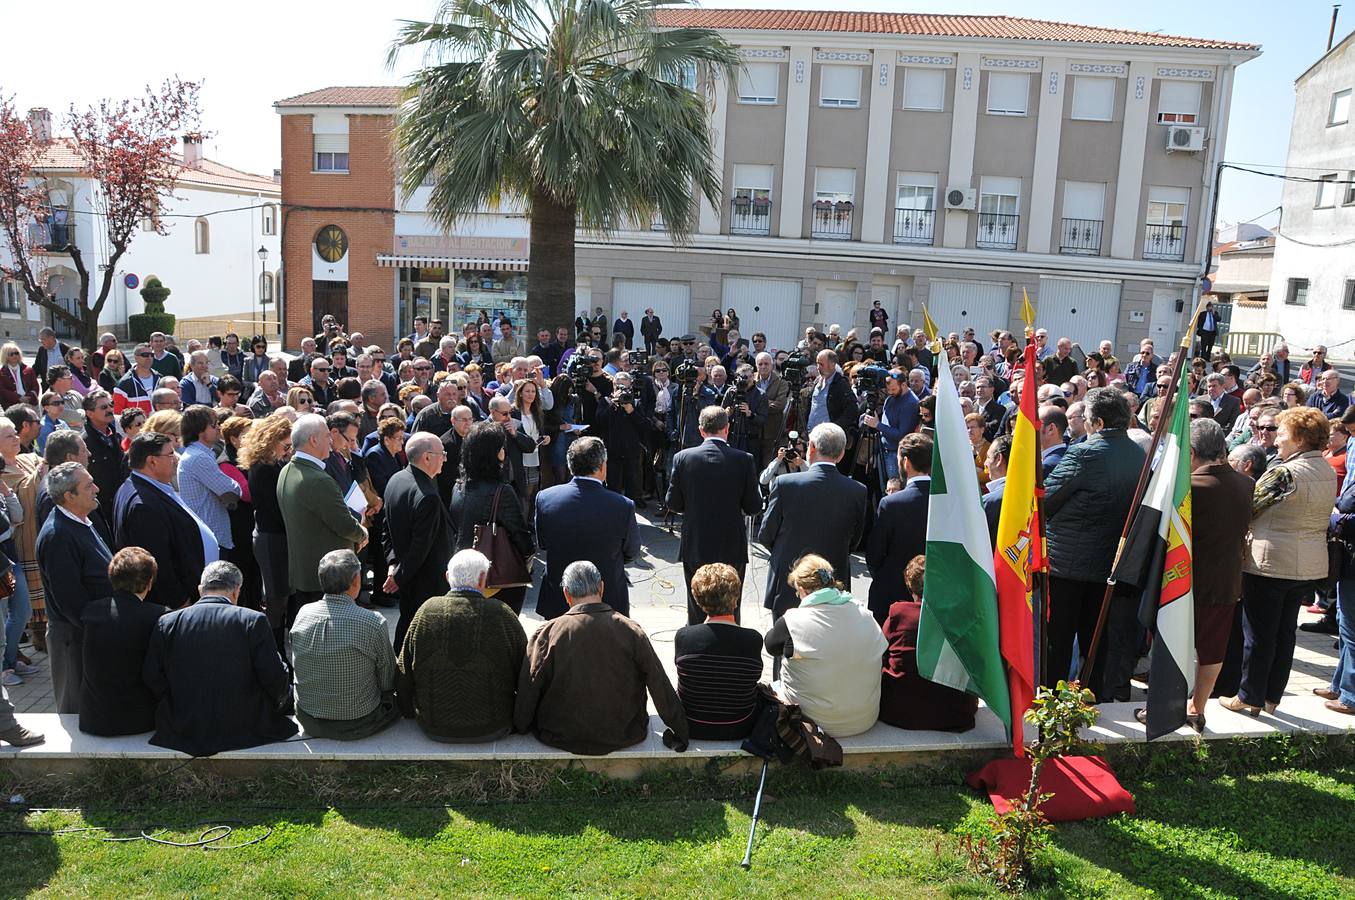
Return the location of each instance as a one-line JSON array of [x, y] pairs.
[[757, 811]]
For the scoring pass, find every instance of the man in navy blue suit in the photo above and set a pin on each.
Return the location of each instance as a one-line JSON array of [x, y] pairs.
[[900, 531], [714, 486], [149, 514], [1053, 425], [584, 520]]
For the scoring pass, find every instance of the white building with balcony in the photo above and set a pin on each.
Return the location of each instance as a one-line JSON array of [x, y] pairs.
[[1312, 284], [945, 160], [217, 221]]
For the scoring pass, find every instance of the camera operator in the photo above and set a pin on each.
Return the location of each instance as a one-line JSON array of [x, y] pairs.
[[897, 417], [690, 395], [622, 420], [747, 411], [775, 393], [830, 399], [790, 457]]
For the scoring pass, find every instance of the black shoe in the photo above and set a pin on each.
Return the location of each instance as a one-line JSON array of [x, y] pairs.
[[19, 736], [1321, 626]]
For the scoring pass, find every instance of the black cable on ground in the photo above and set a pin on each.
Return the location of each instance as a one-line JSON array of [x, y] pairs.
[[208, 839]]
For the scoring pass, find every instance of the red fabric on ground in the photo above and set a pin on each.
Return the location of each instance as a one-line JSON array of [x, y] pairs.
[[1083, 787]]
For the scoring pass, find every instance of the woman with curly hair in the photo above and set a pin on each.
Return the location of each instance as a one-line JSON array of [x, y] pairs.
[[264, 450]]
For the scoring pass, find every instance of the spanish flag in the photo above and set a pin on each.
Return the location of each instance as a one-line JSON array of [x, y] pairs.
[[1018, 555]]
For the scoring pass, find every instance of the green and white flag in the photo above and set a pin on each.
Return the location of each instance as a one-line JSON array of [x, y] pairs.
[[957, 640]]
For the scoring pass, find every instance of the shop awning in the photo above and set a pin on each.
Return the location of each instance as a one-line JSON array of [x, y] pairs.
[[452, 262]]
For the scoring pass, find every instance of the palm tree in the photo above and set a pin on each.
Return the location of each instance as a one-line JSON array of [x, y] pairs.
[[574, 108]]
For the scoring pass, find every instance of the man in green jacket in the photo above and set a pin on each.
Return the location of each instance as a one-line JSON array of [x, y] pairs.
[[313, 510], [460, 660]]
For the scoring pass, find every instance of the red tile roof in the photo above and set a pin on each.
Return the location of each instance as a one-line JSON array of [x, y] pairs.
[[61, 154], [345, 96], [923, 24]]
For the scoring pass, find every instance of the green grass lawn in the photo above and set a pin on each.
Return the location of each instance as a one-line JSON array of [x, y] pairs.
[[1282, 833]]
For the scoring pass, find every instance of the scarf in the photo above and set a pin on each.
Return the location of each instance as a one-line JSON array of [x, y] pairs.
[[827, 597]]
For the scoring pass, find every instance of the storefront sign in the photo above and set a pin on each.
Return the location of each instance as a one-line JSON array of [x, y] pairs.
[[461, 245]]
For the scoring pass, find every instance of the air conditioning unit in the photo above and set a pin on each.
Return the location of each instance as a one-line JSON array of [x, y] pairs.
[[1185, 139], [961, 198]]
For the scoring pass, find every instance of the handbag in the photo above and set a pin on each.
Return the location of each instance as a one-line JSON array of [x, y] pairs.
[[507, 568]]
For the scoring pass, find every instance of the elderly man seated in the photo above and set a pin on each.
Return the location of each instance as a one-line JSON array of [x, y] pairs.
[[216, 673], [460, 659], [718, 663], [583, 684], [342, 656]]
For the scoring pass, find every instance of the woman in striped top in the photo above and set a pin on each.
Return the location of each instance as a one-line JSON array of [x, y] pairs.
[[718, 663]]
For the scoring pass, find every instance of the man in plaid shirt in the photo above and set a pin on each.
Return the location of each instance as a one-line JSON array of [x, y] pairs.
[[343, 658]]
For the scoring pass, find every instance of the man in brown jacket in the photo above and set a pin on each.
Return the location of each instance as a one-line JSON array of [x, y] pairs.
[[569, 657], [1220, 500]]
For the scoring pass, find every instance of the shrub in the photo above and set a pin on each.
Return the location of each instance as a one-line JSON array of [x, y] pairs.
[[140, 326]]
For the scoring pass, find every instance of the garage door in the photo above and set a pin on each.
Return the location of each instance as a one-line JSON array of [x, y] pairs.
[[1078, 308], [769, 305], [981, 305], [670, 300]]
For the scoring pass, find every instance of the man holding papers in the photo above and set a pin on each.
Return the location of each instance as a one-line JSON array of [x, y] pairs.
[[313, 510]]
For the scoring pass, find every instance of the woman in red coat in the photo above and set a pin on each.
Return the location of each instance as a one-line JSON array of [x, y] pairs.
[[907, 700], [18, 383]]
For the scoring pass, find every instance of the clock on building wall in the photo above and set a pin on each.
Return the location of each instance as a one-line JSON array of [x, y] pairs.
[[331, 243]]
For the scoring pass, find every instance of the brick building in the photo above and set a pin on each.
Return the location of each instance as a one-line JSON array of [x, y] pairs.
[[338, 197]]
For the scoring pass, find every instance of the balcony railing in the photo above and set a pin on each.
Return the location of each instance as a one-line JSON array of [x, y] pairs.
[[831, 221], [997, 231], [914, 226], [1164, 242], [1080, 237], [750, 216], [50, 236]]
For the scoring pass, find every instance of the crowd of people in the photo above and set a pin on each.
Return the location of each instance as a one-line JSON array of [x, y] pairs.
[[192, 536]]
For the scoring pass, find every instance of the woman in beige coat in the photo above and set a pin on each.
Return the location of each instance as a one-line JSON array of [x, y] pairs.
[[1286, 555]]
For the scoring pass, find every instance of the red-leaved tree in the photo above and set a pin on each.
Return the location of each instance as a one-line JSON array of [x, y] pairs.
[[128, 152]]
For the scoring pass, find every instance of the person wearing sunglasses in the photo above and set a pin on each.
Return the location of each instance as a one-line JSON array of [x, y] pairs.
[[18, 382], [135, 388]]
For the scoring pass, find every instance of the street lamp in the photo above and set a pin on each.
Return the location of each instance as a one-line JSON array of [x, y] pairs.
[[263, 267]]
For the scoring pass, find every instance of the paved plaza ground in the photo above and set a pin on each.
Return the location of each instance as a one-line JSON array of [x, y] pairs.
[[658, 603]]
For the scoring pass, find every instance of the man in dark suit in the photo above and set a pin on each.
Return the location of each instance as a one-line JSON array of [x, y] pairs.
[[300, 365], [418, 530], [1053, 424], [999, 454], [714, 486], [900, 530], [150, 514], [107, 463], [1207, 331], [73, 561], [818, 511], [651, 326], [215, 671], [114, 698], [583, 520], [1226, 407]]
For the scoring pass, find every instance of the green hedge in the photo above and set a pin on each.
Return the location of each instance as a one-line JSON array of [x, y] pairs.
[[140, 325]]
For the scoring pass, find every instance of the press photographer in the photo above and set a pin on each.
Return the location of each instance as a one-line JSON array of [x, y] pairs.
[[795, 372], [896, 417], [789, 457], [625, 426], [747, 409], [690, 395]]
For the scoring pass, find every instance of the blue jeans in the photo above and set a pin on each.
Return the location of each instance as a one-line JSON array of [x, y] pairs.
[[1343, 679], [889, 462], [20, 607]]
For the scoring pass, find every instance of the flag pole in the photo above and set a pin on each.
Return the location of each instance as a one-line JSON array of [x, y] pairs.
[[1163, 423]]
